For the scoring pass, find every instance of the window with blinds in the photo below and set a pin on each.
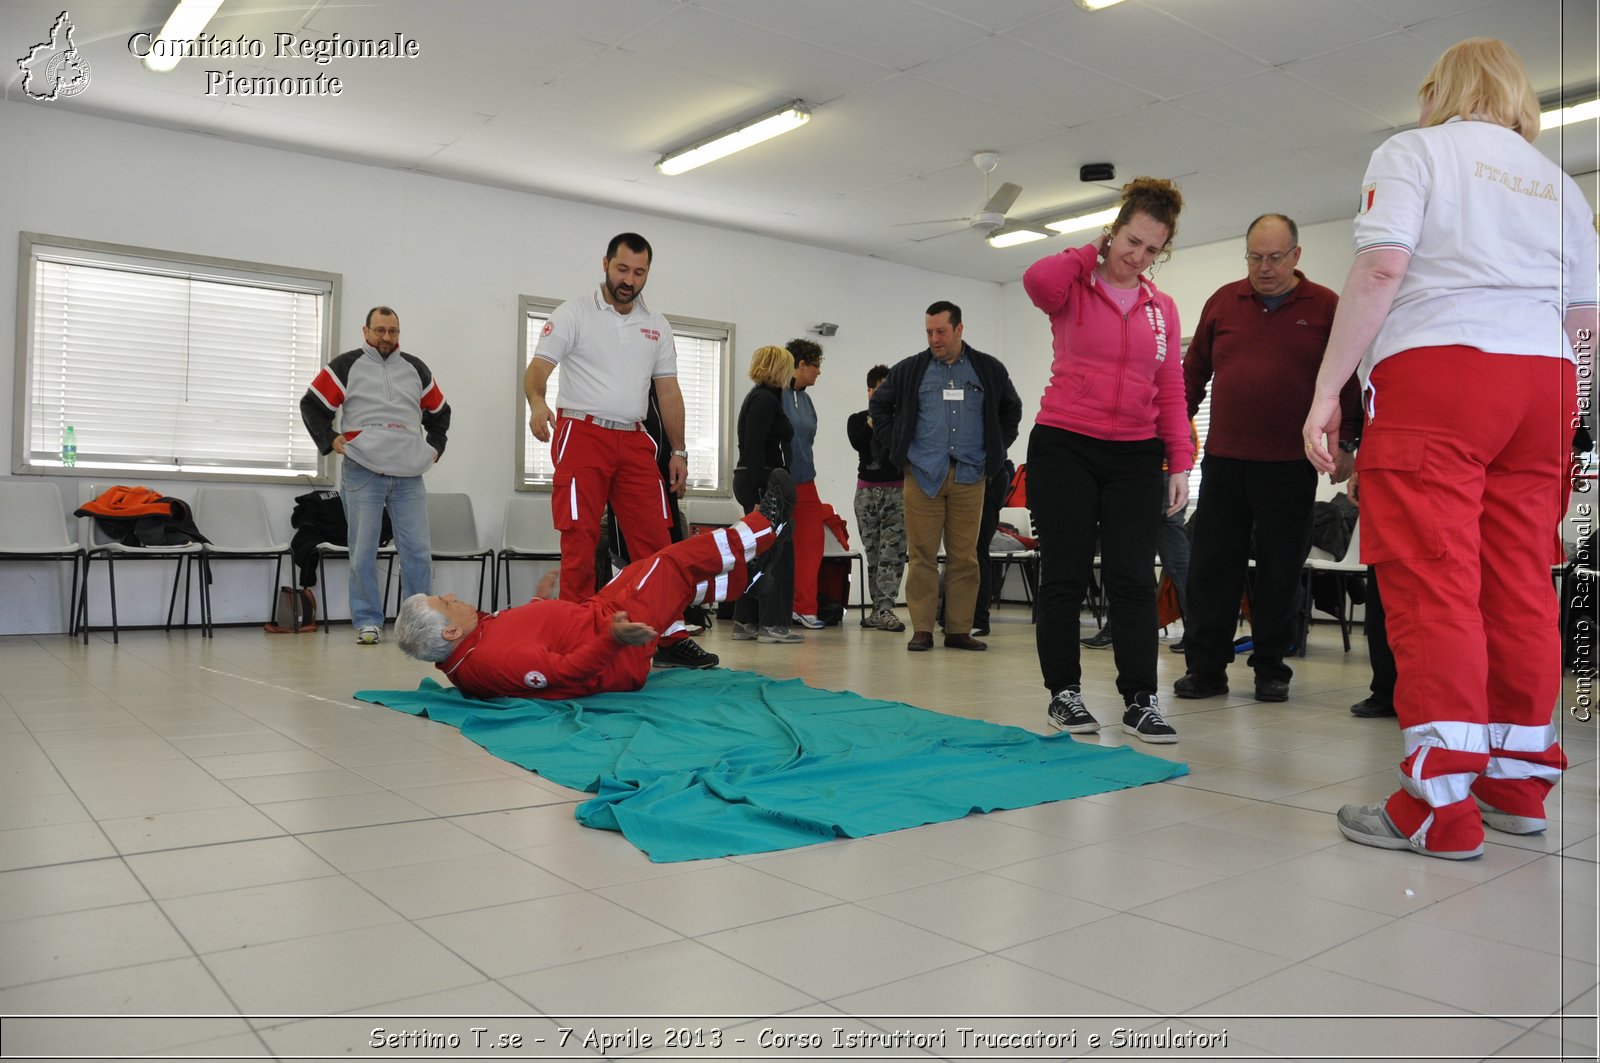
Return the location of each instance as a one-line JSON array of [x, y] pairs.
[[1202, 425], [703, 352], [166, 365]]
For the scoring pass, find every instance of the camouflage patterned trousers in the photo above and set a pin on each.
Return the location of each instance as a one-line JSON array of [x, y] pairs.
[[880, 518]]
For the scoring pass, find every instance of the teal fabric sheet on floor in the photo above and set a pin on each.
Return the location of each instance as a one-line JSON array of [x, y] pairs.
[[702, 764]]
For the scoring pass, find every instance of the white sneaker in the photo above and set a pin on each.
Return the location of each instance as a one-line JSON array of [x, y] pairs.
[[807, 620], [1506, 822], [744, 632], [369, 636]]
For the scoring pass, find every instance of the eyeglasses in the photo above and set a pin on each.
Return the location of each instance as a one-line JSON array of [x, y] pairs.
[[384, 331], [1273, 260]]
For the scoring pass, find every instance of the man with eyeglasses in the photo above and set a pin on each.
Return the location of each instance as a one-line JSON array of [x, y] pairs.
[[1258, 346], [393, 420]]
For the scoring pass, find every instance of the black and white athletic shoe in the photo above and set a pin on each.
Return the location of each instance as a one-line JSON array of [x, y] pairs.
[[684, 653], [1144, 721], [777, 505], [1067, 713]]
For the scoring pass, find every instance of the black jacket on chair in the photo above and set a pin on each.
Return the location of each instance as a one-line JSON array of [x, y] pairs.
[[319, 518]]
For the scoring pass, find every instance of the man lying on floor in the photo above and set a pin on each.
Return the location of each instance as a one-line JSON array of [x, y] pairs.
[[556, 649]]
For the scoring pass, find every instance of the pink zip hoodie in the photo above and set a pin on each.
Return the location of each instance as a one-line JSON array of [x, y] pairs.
[[1113, 377]]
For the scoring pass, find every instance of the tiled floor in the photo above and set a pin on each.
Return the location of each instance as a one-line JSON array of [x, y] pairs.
[[214, 829]]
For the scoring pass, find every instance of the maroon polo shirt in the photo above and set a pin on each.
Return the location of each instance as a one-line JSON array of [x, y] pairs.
[[1262, 366]]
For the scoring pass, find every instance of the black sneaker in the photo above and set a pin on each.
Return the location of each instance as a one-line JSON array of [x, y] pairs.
[[1143, 720], [777, 504], [1268, 689], [1372, 707], [1067, 713], [684, 653], [1179, 647], [1195, 685], [1099, 640]]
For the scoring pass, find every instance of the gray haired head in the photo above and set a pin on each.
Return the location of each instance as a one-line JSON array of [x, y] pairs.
[[419, 630]]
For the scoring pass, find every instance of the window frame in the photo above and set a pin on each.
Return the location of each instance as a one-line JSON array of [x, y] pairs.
[[532, 304], [324, 284], [1202, 424]]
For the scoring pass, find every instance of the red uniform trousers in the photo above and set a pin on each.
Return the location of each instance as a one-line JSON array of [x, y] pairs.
[[710, 567], [1464, 482], [594, 466], [807, 539], [559, 649]]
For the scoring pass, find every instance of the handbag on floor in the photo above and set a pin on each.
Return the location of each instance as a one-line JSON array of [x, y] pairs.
[[295, 611]]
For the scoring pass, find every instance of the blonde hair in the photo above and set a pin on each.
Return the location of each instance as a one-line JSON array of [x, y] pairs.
[[772, 366], [1484, 79], [1155, 196]]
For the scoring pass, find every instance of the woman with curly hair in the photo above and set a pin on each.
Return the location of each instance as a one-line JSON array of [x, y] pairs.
[[1112, 413]]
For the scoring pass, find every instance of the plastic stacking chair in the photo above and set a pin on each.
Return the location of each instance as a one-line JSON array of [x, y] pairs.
[[1024, 558], [453, 536], [529, 535], [1342, 569], [386, 554], [832, 547], [235, 520], [713, 512], [101, 546], [33, 527]]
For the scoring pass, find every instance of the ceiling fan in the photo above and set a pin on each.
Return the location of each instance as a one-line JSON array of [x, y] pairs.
[[990, 216]]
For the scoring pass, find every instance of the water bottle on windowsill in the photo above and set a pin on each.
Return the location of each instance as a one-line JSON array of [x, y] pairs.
[[69, 447]]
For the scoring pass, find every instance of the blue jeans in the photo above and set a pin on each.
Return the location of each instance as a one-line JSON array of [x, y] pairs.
[[365, 494]]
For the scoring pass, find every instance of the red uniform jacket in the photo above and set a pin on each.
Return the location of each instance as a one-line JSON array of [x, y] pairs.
[[547, 648]]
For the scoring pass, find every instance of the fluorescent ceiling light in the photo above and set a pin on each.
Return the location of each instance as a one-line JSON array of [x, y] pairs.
[[1096, 5], [184, 24], [789, 117], [1578, 112], [1015, 237], [1084, 221]]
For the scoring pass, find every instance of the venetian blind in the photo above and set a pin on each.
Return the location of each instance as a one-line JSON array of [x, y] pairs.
[[163, 368], [702, 353]]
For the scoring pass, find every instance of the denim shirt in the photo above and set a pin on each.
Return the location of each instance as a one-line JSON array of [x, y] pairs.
[[948, 430]]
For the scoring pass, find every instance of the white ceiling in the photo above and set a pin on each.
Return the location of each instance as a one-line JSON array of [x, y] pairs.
[[1252, 105]]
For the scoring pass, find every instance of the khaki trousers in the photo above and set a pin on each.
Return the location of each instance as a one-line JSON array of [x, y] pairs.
[[952, 515]]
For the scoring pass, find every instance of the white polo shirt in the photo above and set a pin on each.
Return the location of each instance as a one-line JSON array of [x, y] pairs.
[[607, 360], [1502, 242]]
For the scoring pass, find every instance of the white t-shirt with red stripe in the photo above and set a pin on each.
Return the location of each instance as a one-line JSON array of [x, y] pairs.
[[607, 360], [1502, 242]]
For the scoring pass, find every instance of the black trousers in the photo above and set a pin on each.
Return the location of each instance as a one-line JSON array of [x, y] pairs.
[[1082, 490], [774, 608], [1384, 671], [994, 498], [1274, 500]]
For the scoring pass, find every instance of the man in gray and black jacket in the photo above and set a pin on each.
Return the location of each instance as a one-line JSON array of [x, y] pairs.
[[393, 420]]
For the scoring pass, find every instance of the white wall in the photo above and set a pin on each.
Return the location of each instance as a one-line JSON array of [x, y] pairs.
[[452, 258]]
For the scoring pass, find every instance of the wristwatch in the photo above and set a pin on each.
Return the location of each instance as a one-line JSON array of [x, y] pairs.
[[1349, 445], [684, 454]]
